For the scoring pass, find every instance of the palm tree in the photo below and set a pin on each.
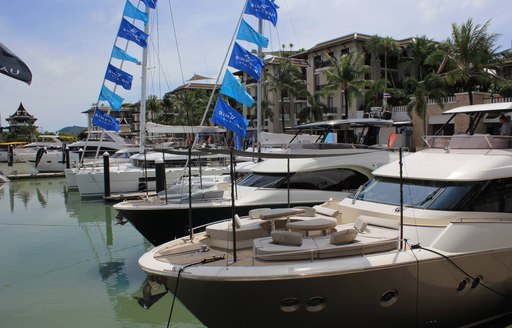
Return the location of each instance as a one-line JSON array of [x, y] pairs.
[[287, 81], [373, 93], [315, 109], [419, 50], [189, 107], [154, 107], [348, 74], [386, 46], [470, 57], [432, 87]]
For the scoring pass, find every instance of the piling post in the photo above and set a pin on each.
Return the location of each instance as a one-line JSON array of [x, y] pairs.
[[106, 174], [10, 155], [160, 174]]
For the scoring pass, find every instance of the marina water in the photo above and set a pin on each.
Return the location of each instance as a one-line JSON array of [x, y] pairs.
[[66, 263]]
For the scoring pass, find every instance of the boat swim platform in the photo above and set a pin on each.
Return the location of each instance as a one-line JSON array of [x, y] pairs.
[[37, 175]]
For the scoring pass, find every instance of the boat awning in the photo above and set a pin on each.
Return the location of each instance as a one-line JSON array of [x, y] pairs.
[[347, 123], [494, 107], [161, 128]]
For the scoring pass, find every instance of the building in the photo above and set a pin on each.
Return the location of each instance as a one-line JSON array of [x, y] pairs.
[[21, 122]]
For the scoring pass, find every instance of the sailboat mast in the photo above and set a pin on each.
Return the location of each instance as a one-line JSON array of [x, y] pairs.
[[142, 117], [259, 91]]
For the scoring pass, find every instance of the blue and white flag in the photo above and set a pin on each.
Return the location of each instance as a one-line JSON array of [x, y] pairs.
[[131, 11], [115, 101], [150, 3], [132, 33], [231, 87], [245, 61], [238, 142], [105, 121], [121, 54], [119, 77], [228, 117], [247, 33], [264, 9]]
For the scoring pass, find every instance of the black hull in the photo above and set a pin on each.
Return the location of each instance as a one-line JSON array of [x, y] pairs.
[[161, 226]]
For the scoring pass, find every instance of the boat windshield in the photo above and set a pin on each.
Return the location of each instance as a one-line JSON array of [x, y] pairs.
[[333, 180], [435, 195]]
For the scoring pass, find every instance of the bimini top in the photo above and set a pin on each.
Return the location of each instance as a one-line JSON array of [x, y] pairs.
[[494, 107], [347, 122]]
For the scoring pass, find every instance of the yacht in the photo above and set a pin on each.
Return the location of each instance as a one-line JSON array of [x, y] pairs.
[[27, 153], [4, 151], [139, 174], [426, 242], [317, 172], [54, 159]]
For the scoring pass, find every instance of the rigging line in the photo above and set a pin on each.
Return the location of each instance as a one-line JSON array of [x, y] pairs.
[[293, 25], [412, 208], [417, 280], [176, 40], [223, 64], [418, 246], [174, 297]]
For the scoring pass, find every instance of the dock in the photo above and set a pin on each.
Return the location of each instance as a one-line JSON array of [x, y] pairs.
[[37, 175]]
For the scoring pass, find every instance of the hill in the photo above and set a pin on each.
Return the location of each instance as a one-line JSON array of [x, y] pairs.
[[71, 129]]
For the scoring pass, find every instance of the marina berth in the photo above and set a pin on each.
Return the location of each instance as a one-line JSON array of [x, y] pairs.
[[427, 230]]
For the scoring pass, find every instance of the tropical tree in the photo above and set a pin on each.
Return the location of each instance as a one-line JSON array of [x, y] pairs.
[[154, 107], [287, 81], [432, 87], [188, 106], [386, 46], [314, 110], [419, 51], [470, 57], [346, 74]]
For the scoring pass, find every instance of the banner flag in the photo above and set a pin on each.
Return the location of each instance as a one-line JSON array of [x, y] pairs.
[[228, 117], [131, 11], [105, 121], [264, 9], [14, 67], [115, 101], [231, 87], [247, 33], [150, 3], [245, 61], [121, 54], [119, 77], [132, 33]]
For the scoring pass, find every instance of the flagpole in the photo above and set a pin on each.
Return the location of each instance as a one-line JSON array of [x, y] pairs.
[[142, 118], [259, 92]]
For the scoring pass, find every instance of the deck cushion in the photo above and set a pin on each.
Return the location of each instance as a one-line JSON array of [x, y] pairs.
[[344, 236], [288, 238]]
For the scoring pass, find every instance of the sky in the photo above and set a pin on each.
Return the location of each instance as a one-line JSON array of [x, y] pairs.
[[67, 43]]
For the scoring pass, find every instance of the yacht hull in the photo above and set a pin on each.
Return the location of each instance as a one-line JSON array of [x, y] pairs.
[[397, 293]]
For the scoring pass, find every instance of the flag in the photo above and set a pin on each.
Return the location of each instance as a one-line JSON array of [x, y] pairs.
[[247, 33], [264, 9], [231, 87], [150, 3], [119, 77], [121, 54], [386, 95], [131, 11], [238, 142], [113, 99], [14, 67], [105, 121], [228, 117], [245, 61], [132, 33]]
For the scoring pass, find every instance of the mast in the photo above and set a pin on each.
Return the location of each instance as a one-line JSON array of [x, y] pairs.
[[142, 117]]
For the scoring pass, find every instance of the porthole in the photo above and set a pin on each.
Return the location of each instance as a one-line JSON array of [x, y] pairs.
[[315, 304], [477, 283], [290, 304], [389, 298], [462, 288]]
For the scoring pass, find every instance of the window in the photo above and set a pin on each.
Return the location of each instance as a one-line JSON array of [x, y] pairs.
[[333, 180]]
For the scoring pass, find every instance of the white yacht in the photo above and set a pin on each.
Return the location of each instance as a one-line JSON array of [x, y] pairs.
[[27, 153], [139, 174], [425, 243], [317, 172]]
